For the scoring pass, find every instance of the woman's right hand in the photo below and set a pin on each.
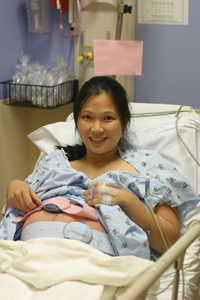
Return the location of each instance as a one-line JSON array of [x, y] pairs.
[[21, 196]]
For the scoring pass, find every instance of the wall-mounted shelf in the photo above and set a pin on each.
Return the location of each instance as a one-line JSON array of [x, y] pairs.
[[37, 96]]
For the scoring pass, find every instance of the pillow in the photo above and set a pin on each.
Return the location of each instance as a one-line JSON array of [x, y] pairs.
[[47, 137], [153, 132], [161, 135]]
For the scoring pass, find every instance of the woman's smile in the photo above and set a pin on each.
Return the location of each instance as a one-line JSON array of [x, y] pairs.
[[97, 141], [99, 125]]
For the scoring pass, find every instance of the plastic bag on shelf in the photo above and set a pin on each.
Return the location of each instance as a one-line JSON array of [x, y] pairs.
[[39, 84]]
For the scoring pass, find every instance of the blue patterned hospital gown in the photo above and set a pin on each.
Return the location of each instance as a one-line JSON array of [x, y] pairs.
[[157, 180]]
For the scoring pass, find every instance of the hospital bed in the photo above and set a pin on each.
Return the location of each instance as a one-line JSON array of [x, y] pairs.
[[62, 269]]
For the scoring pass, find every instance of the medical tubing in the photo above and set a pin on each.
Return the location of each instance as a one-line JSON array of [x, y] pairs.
[[157, 224], [167, 204], [165, 231], [164, 289], [184, 265], [159, 113], [191, 262], [178, 118], [148, 231], [198, 163], [77, 22], [180, 108]]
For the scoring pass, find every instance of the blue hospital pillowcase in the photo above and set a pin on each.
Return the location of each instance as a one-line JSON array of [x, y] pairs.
[[54, 177]]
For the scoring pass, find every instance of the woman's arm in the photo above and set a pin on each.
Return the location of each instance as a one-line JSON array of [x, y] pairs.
[[163, 220], [21, 196], [163, 217]]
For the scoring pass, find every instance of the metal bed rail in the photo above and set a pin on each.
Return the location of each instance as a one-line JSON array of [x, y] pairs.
[[175, 255]]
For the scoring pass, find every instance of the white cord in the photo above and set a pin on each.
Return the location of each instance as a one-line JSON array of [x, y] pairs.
[[169, 205], [148, 114], [164, 289], [185, 266], [190, 263], [157, 224], [165, 231], [178, 132]]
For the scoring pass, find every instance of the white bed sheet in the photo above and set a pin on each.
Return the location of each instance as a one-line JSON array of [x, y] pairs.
[[65, 269]]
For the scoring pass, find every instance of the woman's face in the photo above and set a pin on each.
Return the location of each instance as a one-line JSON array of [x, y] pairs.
[[99, 125]]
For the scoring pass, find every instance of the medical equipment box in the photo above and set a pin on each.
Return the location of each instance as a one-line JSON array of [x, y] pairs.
[[39, 96]]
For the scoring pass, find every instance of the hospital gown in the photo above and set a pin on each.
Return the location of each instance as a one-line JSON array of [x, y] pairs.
[[158, 182]]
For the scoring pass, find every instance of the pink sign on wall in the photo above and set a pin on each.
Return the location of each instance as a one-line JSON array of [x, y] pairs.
[[113, 57]]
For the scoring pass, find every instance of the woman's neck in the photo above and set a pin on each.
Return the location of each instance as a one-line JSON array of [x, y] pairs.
[[100, 160]]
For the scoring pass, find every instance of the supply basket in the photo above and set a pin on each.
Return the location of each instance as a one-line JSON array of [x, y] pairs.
[[39, 96]]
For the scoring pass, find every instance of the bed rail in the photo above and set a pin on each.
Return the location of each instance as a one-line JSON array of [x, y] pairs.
[[175, 256]]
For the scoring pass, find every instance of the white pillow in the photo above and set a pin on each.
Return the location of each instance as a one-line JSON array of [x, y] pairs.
[[47, 137], [161, 135]]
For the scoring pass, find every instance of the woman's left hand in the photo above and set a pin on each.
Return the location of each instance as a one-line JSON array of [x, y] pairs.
[[104, 193]]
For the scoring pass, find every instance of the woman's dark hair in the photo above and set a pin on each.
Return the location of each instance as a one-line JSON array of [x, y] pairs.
[[94, 87]]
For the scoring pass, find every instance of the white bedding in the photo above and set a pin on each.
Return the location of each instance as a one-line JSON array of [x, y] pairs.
[[65, 269]]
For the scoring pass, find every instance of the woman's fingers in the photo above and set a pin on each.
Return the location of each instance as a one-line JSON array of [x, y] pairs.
[[21, 196], [27, 203], [22, 201], [35, 198]]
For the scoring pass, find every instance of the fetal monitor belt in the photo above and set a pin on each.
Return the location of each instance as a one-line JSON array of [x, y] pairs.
[[65, 206], [73, 230]]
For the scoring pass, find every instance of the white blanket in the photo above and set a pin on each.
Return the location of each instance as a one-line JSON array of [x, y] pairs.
[[65, 269]]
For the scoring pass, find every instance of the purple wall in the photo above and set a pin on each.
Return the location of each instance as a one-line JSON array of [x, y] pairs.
[[15, 38], [171, 62]]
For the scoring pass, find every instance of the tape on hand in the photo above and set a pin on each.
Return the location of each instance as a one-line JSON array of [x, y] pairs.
[[107, 199]]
